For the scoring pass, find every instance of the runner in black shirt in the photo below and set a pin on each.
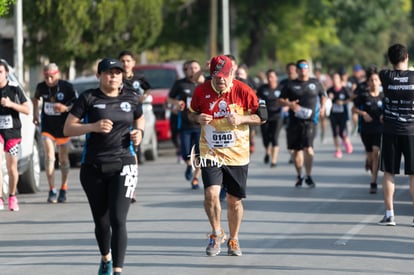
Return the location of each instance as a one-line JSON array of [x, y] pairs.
[[368, 105], [57, 96], [12, 103], [305, 98], [398, 136], [135, 81], [270, 130], [180, 97], [340, 96], [113, 123], [291, 75]]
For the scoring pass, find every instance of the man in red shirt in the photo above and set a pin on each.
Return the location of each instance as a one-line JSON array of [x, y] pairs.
[[224, 107]]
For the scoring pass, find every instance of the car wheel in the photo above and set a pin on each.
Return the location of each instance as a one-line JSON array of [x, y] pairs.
[[152, 152], [29, 180]]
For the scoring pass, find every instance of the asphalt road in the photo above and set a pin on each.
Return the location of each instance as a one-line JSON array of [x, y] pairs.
[[331, 229]]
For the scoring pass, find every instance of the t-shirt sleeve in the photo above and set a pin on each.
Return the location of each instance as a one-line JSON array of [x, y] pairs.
[[20, 95], [284, 91], [174, 90], [37, 92], [138, 111], [195, 101], [357, 101], [80, 105], [252, 102], [322, 92]]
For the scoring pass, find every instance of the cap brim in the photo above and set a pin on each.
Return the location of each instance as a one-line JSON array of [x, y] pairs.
[[221, 74]]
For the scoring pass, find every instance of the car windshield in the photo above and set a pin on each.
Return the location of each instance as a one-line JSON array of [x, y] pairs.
[[80, 87], [159, 78]]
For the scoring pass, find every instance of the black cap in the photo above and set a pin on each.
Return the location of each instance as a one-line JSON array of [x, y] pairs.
[[109, 63]]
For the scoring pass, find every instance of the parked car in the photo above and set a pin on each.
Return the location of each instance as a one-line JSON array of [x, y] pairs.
[[31, 149], [149, 144], [161, 77]]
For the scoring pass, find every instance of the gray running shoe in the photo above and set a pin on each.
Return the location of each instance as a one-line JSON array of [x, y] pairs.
[[299, 182], [233, 248], [62, 196], [52, 198], [214, 243], [309, 181], [387, 221]]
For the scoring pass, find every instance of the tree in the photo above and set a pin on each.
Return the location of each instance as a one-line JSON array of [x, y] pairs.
[[365, 30], [5, 5], [87, 30]]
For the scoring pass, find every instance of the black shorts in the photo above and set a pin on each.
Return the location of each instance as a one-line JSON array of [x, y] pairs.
[[233, 178], [392, 148], [300, 134], [370, 140]]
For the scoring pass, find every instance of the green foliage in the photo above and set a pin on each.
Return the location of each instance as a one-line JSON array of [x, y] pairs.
[[365, 30], [269, 33], [5, 5], [87, 30]]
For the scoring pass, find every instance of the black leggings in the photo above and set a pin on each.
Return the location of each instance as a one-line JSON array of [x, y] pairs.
[[271, 131], [109, 199]]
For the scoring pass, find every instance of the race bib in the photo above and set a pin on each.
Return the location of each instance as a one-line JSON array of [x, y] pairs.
[[223, 139], [6, 122], [336, 108], [49, 109], [303, 113]]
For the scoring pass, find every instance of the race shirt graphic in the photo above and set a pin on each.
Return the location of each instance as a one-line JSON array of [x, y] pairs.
[[220, 141], [398, 88]]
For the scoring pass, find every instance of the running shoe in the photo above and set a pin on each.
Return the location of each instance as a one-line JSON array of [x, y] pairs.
[[194, 184], [13, 204], [214, 243], [188, 172], [309, 181], [338, 154], [62, 196], [299, 182], [373, 188], [348, 147], [233, 248], [1, 204], [273, 165], [266, 159], [52, 198], [105, 268], [387, 221]]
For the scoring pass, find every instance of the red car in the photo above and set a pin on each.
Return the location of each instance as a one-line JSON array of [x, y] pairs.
[[161, 78]]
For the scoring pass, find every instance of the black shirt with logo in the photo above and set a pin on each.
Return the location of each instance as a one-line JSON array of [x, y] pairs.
[[183, 89], [398, 88], [92, 106], [10, 123], [137, 82], [271, 97], [373, 105], [52, 122], [308, 93]]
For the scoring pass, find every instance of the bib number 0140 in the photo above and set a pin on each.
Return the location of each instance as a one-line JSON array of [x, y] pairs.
[[223, 139]]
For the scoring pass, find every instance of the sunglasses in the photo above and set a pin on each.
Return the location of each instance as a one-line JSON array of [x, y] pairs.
[[303, 66]]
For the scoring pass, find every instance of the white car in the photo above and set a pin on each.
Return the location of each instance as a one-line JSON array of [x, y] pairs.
[[149, 144], [31, 150]]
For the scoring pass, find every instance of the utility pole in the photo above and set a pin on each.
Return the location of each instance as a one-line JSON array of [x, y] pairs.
[[226, 27], [18, 40], [213, 28]]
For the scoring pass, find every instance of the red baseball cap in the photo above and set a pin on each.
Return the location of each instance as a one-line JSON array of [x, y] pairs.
[[220, 66]]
